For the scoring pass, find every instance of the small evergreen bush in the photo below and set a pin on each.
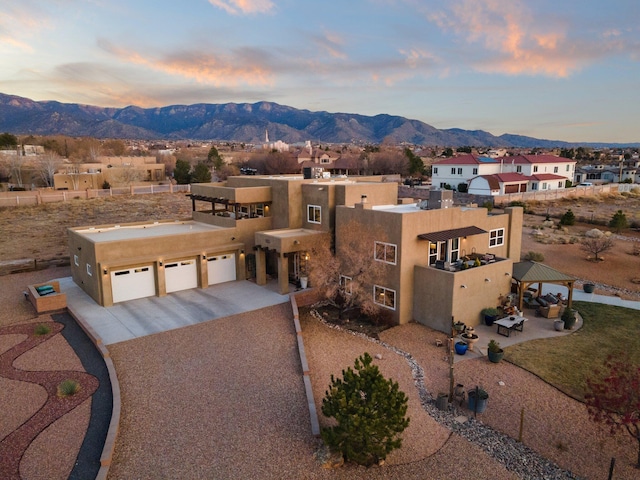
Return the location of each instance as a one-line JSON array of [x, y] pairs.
[[370, 413], [568, 218], [68, 388], [41, 329], [534, 256]]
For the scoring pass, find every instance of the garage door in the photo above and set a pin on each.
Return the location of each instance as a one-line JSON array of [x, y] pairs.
[[222, 268], [181, 275], [132, 283]]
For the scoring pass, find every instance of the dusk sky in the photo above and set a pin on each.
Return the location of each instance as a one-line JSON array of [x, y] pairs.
[[553, 69]]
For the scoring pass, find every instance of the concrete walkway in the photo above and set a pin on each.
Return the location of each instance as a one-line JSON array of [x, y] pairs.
[[146, 316]]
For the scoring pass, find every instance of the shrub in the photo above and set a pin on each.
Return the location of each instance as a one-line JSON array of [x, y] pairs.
[[370, 412], [534, 256], [619, 221], [41, 329], [488, 205], [568, 218], [68, 388], [463, 187], [494, 346]]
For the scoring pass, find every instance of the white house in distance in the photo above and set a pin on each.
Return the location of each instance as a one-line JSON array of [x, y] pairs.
[[496, 176]]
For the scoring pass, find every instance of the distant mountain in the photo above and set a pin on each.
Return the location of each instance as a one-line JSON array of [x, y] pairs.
[[241, 122]]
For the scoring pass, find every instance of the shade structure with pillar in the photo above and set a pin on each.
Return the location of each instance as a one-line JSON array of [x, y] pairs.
[[528, 273], [286, 244]]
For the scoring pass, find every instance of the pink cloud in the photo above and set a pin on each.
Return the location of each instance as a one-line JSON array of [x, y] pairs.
[[206, 68], [237, 7]]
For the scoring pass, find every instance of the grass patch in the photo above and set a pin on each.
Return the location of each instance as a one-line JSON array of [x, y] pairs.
[[41, 329], [67, 388], [566, 362]]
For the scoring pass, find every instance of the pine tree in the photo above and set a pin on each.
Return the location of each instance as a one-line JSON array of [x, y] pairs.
[[182, 172], [370, 412], [568, 218], [619, 221]]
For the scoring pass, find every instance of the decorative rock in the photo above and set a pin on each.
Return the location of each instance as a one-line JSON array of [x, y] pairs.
[[379, 356], [329, 459], [593, 233]]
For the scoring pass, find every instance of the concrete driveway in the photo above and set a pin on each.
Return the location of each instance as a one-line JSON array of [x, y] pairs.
[[145, 316]]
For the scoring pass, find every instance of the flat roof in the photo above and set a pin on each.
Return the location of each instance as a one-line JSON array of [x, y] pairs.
[[145, 230]]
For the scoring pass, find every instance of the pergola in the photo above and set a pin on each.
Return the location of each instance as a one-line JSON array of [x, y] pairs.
[[528, 273]]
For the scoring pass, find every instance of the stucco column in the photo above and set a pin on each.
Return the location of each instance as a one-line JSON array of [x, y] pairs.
[[283, 274], [161, 284], [261, 267]]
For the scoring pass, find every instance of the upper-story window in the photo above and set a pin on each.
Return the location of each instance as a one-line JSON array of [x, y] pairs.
[[460, 171], [555, 169], [314, 214], [435, 170], [535, 168], [475, 170], [385, 252], [519, 168], [453, 170], [496, 237], [567, 169]]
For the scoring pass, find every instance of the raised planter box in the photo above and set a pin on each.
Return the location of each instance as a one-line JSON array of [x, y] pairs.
[[47, 300]]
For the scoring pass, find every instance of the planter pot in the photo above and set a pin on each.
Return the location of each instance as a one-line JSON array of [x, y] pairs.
[[558, 325], [489, 319], [461, 348], [471, 402], [442, 402], [569, 322], [470, 339], [495, 357], [588, 287], [304, 281]]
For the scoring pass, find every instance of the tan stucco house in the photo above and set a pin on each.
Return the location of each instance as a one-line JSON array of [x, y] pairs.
[[261, 228]]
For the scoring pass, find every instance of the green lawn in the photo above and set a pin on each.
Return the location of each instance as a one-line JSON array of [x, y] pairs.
[[565, 362]]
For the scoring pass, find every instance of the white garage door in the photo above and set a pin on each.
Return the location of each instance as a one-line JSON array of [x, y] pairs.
[[181, 275], [132, 283], [222, 268]]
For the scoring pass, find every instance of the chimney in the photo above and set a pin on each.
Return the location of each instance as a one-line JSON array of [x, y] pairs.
[[364, 204]]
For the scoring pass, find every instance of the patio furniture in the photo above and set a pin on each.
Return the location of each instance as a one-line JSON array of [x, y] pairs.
[[510, 324], [550, 311]]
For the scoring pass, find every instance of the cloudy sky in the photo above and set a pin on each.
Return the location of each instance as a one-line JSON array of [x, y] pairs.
[[554, 69]]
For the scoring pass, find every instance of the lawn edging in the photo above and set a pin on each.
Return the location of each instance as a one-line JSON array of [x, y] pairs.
[[305, 299], [114, 424]]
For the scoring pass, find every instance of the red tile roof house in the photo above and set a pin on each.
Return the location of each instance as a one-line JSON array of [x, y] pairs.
[[534, 172]]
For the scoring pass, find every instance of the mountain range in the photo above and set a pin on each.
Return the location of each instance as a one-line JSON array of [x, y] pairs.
[[243, 122]]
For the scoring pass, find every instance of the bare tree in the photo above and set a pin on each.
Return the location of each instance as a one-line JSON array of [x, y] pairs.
[[46, 166], [596, 246], [346, 280], [126, 175], [14, 164], [280, 163]]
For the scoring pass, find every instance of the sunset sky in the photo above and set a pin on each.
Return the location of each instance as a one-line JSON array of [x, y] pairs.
[[553, 69]]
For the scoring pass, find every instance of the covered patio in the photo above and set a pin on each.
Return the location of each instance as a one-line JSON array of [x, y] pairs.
[[529, 273]]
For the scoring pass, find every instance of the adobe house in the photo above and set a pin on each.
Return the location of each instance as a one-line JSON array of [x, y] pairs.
[[259, 227]]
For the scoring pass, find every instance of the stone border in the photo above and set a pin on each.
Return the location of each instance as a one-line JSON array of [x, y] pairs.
[[114, 424], [306, 375]]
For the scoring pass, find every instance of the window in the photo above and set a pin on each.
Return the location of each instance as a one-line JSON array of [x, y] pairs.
[[454, 249], [460, 171], [535, 168], [453, 171], [435, 170], [475, 170], [544, 186], [567, 169], [560, 184], [519, 169], [345, 284], [76, 261], [447, 251], [89, 270], [314, 214], [384, 297], [385, 252], [496, 237], [555, 169], [534, 186]]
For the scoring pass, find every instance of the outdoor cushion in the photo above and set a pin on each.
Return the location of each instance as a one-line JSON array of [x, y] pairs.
[[542, 301], [551, 298], [45, 290]]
